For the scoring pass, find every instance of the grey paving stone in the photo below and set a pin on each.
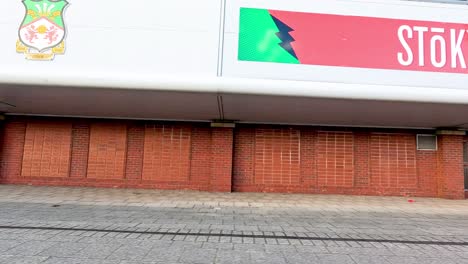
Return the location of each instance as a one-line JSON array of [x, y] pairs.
[[405, 251], [270, 214], [283, 241], [368, 259], [177, 245], [36, 237], [130, 252], [361, 251], [266, 258], [201, 239], [8, 244], [312, 249], [64, 238], [334, 259], [140, 262], [462, 254], [225, 239], [164, 254], [97, 251], [67, 249], [439, 253], [237, 240], [249, 247], [246, 228], [418, 260], [222, 227], [270, 228], [280, 248], [301, 258], [198, 256], [224, 246], [295, 229], [56, 260], [30, 248], [24, 260], [232, 257], [3, 258]]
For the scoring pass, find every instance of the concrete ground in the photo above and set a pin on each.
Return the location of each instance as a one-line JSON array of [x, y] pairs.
[[87, 225]]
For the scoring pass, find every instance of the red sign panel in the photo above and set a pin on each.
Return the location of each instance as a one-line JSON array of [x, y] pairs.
[[380, 43]]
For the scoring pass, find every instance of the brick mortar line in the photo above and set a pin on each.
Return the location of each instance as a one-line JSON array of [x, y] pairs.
[[315, 238]]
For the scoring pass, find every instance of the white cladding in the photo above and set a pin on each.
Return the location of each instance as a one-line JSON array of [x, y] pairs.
[[176, 45], [120, 37]]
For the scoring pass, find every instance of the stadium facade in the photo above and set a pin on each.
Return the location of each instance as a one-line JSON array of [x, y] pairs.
[[365, 97]]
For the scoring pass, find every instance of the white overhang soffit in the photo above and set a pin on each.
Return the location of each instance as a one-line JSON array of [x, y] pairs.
[[223, 85]]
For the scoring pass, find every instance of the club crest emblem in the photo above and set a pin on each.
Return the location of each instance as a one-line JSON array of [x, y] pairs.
[[42, 32]]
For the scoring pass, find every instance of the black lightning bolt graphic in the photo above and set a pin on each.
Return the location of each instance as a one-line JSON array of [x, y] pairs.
[[285, 37]]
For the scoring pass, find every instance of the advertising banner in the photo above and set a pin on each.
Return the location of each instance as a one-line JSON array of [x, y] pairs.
[[351, 41], [364, 42]]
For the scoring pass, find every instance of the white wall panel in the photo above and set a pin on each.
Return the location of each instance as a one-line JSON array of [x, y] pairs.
[[177, 37]]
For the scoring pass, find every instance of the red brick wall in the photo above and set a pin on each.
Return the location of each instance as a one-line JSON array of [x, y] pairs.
[[307, 158], [167, 153], [47, 149], [115, 153], [393, 160], [244, 155], [261, 158], [200, 161], [221, 159], [335, 159], [107, 151], [450, 161], [80, 149], [277, 153], [427, 171], [361, 159], [278, 159], [135, 150], [362, 162], [12, 148]]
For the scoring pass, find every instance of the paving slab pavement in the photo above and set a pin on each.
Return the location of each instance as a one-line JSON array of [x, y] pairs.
[[91, 225]]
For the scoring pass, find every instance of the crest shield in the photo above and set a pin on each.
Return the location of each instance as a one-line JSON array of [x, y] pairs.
[[43, 28]]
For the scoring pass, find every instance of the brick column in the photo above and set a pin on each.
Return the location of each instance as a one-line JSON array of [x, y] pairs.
[[221, 162], [361, 159], [12, 149], [135, 149], [80, 149], [450, 167], [307, 158], [243, 157]]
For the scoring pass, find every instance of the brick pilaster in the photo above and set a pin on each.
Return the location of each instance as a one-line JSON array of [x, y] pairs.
[[221, 163], [361, 159], [12, 145], [80, 149], [450, 167], [135, 151]]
